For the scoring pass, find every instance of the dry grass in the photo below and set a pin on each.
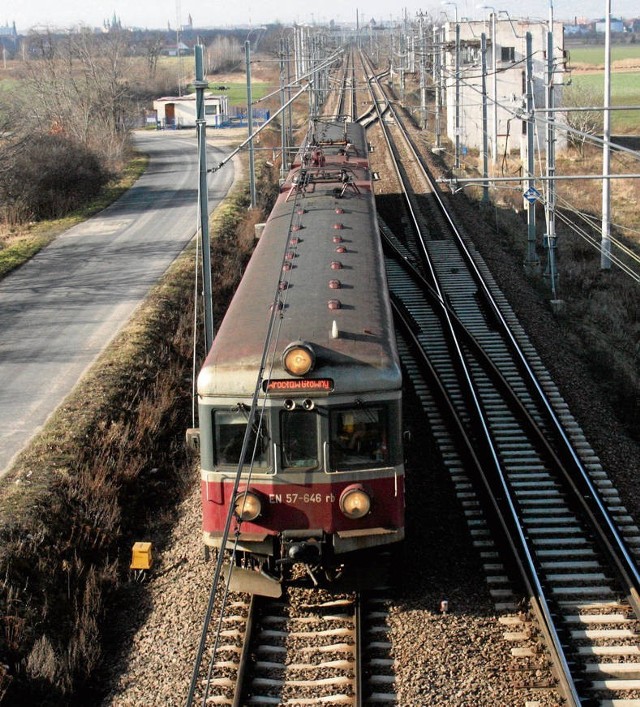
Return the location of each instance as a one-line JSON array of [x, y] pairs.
[[70, 502], [105, 471], [602, 305]]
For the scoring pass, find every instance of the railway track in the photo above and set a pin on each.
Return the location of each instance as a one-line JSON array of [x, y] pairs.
[[311, 648], [513, 451], [512, 447], [342, 104]]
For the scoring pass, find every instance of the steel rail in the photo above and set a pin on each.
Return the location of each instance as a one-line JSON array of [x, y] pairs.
[[579, 481], [510, 523], [358, 653], [582, 484], [245, 653], [531, 577]]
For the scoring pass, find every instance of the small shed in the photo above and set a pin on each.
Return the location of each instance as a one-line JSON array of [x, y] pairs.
[[180, 111]]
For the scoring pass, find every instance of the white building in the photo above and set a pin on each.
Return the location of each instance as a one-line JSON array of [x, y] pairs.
[[617, 26], [505, 81], [180, 111]]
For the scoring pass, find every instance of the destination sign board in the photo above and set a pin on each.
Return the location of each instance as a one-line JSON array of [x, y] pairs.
[[298, 385]]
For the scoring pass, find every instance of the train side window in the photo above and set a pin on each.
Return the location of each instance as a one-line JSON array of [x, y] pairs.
[[229, 431], [299, 437], [359, 438]]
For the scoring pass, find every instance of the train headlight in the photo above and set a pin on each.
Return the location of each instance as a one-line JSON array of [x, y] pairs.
[[247, 506], [298, 358], [355, 502]]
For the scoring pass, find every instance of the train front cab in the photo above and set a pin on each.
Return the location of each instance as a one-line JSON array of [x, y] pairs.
[[322, 477]]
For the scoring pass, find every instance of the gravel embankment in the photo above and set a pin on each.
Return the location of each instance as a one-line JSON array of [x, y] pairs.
[[160, 620]]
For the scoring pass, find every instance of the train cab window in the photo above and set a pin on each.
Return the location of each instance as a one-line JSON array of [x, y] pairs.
[[299, 437], [229, 428], [358, 438]]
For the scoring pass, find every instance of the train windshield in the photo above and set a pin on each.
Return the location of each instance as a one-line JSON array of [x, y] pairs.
[[230, 427], [299, 433], [358, 438]]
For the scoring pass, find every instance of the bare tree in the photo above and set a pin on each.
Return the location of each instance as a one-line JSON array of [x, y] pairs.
[[152, 46], [582, 123], [80, 85], [76, 107]]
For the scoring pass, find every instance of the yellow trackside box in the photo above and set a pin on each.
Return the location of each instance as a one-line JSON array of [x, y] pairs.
[[141, 557]]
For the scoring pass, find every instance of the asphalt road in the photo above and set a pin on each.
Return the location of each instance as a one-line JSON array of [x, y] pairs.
[[60, 310]]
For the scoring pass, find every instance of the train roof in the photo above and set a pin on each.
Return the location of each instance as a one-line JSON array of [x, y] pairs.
[[317, 275]]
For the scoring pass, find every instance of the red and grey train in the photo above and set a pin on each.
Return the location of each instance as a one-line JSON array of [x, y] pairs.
[[300, 397]]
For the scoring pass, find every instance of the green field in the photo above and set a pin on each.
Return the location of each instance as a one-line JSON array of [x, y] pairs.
[[235, 86], [237, 92], [625, 91], [594, 55]]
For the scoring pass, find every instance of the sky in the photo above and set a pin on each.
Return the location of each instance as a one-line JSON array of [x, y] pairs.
[[158, 14]]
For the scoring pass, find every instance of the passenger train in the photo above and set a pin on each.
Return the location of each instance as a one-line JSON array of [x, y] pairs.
[[299, 399]]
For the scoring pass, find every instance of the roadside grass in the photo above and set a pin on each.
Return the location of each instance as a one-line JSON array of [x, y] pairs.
[[105, 471], [9, 84], [20, 243]]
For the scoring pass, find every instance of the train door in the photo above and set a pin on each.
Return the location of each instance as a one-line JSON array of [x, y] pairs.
[[170, 114]]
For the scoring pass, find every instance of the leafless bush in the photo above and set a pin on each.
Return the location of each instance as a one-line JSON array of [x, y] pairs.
[[583, 122], [42, 663], [83, 651], [5, 680], [47, 176]]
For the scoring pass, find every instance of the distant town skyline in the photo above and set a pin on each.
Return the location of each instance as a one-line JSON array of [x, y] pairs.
[[161, 14]]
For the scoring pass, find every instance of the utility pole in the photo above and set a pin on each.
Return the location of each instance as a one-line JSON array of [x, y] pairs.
[[403, 56], [422, 47], [532, 261], [289, 95], [437, 79], [457, 127], [252, 171], [283, 119], [494, 61], [313, 81], [201, 128], [178, 52], [485, 136], [550, 203], [605, 245]]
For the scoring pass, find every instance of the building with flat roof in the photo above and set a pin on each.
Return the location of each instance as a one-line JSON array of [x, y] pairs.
[[180, 111], [505, 80]]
